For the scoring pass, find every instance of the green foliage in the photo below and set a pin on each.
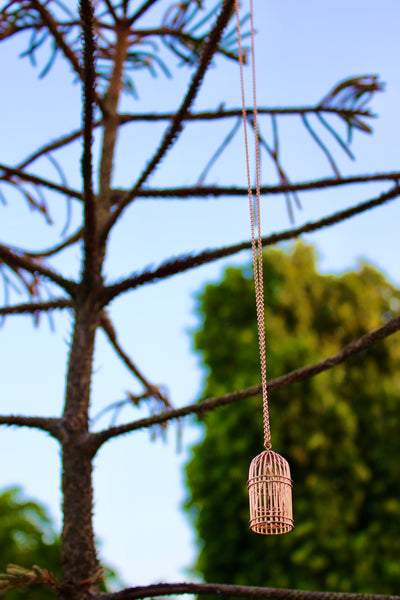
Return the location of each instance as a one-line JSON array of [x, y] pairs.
[[339, 431], [27, 538]]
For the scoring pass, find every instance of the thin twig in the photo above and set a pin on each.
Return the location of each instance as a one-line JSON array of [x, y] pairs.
[[320, 143], [55, 249], [200, 116], [18, 172], [51, 25], [187, 262], [36, 268], [218, 152], [141, 11], [59, 143], [355, 347], [111, 10], [31, 308], [221, 113], [238, 591], [217, 191]]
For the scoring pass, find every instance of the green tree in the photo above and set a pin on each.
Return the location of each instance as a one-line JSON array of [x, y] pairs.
[[27, 538], [339, 431]]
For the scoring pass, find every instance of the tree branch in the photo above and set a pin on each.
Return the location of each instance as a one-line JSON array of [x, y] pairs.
[[31, 308], [141, 11], [222, 113], [49, 424], [18, 172], [152, 390], [111, 10], [175, 128], [241, 591], [35, 267], [185, 263], [55, 249], [55, 145], [355, 347], [215, 191], [199, 116]]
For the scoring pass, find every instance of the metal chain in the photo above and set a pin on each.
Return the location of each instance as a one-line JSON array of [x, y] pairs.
[[255, 217]]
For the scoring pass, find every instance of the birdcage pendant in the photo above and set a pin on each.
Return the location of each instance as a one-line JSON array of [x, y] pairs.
[[270, 485], [270, 494]]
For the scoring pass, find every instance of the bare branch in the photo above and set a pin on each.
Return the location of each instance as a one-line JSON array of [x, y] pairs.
[[51, 251], [238, 591], [18, 172], [180, 35], [55, 145], [200, 116], [222, 113], [35, 267], [49, 424], [185, 263], [175, 128], [111, 10], [216, 191], [31, 308], [355, 347], [141, 11], [151, 390]]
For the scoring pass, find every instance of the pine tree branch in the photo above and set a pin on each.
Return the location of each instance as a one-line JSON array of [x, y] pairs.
[[111, 10], [30, 265], [55, 145], [216, 191], [185, 263], [141, 11], [173, 131], [237, 591], [49, 424], [351, 349], [222, 113], [32, 308], [55, 249], [20, 174], [196, 116]]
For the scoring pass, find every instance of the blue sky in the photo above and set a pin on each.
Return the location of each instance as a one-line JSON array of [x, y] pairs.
[[302, 50]]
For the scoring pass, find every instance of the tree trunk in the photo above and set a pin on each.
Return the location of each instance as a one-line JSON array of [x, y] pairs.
[[79, 560]]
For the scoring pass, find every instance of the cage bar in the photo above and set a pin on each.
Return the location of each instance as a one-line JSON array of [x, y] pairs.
[[270, 494]]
